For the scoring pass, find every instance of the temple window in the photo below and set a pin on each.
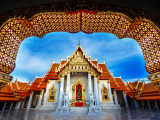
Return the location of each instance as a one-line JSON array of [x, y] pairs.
[[105, 96], [85, 67], [52, 94], [78, 67]]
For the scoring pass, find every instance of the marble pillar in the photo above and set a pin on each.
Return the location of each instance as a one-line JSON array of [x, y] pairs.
[[125, 99], [47, 92], [40, 98], [61, 91], [110, 92], [115, 97], [149, 105], [68, 83], [89, 86], [23, 103], [30, 100], [18, 105], [135, 103], [156, 105], [4, 106], [96, 91], [11, 106]]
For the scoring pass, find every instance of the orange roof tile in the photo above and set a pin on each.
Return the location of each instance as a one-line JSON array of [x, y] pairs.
[[150, 88], [149, 98], [63, 62], [6, 89], [94, 62]]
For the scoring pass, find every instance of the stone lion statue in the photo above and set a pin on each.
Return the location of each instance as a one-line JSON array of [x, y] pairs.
[[66, 99], [91, 99]]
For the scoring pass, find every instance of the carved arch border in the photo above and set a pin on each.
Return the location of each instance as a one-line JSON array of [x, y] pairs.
[[50, 94], [108, 98], [78, 82]]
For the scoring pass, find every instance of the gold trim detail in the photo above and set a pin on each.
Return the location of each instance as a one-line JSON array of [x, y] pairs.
[[54, 95], [78, 82], [108, 99]]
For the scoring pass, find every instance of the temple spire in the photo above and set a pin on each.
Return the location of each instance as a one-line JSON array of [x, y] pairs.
[[79, 42]]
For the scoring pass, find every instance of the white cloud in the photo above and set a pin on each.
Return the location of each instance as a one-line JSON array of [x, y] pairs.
[[31, 63]]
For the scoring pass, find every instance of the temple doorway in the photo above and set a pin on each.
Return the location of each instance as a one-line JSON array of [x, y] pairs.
[[78, 94]]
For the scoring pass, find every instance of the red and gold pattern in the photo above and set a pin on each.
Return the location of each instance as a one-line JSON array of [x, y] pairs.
[[16, 30]]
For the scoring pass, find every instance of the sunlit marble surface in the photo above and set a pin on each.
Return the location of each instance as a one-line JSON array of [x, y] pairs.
[[111, 114]]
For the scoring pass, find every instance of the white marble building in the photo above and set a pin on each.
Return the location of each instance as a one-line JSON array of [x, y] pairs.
[[78, 81]]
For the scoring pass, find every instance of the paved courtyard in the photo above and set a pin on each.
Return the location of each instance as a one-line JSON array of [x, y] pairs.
[[111, 114]]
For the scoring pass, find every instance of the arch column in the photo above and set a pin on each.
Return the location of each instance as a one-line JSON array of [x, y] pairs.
[[110, 92], [30, 100], [68, 83], [61, 91], [41, 96], [125, 99], [115, 97], [89, 86], [96, 90]]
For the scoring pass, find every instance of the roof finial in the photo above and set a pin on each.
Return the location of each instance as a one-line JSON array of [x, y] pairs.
[[52, 60], [91, 55], [66, 54], [36, 75], [105, 61], [79, 41], [60, 58], [120, 76], [97, 58]]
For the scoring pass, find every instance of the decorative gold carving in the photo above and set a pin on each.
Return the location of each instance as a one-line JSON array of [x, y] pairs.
[[105, 94], [78, 82], [52, 94]]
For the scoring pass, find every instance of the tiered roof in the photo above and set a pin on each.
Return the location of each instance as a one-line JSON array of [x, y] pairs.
[[142, 91], [14, 91], [35, 84], [121, 84]]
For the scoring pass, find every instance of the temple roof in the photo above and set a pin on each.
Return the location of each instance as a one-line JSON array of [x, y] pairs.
[[14, 91], [121, 84], [35, 84]]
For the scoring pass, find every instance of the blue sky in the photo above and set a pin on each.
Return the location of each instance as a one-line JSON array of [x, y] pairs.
[[123, 56]]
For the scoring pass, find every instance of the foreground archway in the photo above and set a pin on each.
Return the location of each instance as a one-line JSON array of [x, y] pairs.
[[88, 17]]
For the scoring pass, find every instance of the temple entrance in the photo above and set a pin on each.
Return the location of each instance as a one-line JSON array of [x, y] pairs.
[[78, 94]]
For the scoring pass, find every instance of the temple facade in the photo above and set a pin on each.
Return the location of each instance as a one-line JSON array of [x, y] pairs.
[[80, 82]]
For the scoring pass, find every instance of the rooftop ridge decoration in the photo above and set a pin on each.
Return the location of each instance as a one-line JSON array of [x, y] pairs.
[[72, 56], [28, 13]]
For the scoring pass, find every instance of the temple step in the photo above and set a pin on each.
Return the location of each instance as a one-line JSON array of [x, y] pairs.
[[78, 110]]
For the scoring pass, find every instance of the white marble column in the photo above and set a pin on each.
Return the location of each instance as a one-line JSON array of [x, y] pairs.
[[11, 106], [125, 99], [18, 105], [96, 90], [47, 92], [40, 98], [23, 103], [30, 100], [115, 97], [89, 86], [61, 91], [149, 105], [4, 106], [68, 83], [110, 92], [135, 103], [156, 105]]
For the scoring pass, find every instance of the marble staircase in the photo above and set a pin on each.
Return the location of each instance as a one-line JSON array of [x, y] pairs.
[[78, 111], [47, 106], [109, 105]]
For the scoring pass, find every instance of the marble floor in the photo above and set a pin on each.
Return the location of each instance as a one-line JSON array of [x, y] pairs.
[[110, 114]]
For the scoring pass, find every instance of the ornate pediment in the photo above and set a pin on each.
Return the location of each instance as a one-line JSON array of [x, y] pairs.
[[78, 58]]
